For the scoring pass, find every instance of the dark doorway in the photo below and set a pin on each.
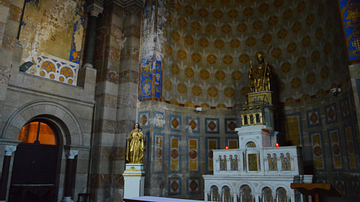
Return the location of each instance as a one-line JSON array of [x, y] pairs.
[[36, 165]]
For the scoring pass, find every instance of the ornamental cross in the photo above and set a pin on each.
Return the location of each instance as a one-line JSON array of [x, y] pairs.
[[356, 44]]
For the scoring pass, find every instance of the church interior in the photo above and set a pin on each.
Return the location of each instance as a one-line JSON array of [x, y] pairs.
[[77, 75]]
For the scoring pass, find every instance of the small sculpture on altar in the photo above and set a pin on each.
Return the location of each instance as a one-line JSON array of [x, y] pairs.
[[135, 145], [259, 75]]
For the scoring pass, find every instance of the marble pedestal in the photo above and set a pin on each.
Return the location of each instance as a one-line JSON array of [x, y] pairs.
[[134, 177]]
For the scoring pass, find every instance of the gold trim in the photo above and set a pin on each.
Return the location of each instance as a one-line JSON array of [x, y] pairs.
[[134, 174]]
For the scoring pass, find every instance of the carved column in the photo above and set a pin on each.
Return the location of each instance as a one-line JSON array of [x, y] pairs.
[[94, 11], [5, 171], [69, 175]]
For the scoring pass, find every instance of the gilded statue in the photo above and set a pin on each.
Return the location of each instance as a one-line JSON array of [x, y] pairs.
[[135, 145], [259, 75]]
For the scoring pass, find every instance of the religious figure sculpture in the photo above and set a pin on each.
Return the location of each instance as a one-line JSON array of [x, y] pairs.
[[135, 145], [259, 75]]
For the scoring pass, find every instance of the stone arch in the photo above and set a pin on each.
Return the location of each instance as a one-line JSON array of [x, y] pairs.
[[57, 113]]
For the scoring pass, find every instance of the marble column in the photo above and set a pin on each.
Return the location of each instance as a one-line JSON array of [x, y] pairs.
[[5, 171], [94, 11], [69, 175]]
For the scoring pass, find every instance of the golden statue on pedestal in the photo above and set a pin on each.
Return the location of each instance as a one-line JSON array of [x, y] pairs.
[[259, 75], [135, 145]]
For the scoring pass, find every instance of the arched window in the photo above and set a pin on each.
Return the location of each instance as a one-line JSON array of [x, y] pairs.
[[226, 194], [281, 195], [214, 193], [245, 194], [267, 195], [37, 132]]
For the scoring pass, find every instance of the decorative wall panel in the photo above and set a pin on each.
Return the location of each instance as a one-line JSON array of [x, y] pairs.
[[331, 115], [313, 118], [144, 119], [175, 123], [193, 157], [317, 150], [335, 148], [212, 125], [175, 154], [232, 142], [192, 125], [159, 120], [174, 185], [211, 143], [193, 185], [158, 158], [293, 129], [350, 147], [230, 125]]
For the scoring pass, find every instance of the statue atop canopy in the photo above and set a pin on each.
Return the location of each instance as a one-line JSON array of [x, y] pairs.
[[259, 75]]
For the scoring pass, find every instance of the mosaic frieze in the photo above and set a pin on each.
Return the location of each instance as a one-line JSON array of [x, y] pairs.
[[272, 160], [234, 163], [223, 163], [285, 162], [227, 194]]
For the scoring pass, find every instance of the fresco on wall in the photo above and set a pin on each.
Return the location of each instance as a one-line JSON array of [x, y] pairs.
[[52, 29], [151, 55], [349, 10]]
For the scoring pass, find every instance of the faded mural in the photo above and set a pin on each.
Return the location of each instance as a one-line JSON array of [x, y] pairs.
[[52, 35]]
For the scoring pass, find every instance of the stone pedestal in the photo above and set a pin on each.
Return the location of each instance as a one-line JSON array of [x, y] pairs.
[[134, 177]]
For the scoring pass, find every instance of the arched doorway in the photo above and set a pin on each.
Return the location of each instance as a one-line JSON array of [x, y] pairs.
[[36, 166]]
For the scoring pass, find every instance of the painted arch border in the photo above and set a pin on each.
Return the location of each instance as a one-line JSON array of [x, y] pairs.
[[42, 108]]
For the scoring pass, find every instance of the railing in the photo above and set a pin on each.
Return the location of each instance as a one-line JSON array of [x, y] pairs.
[[258, 161], [56, 69]]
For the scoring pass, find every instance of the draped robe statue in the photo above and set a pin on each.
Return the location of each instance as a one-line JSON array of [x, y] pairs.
[[135, 145]]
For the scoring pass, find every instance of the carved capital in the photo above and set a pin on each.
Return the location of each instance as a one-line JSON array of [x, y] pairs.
[[94, 10], [9, 149], [72, 153]]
